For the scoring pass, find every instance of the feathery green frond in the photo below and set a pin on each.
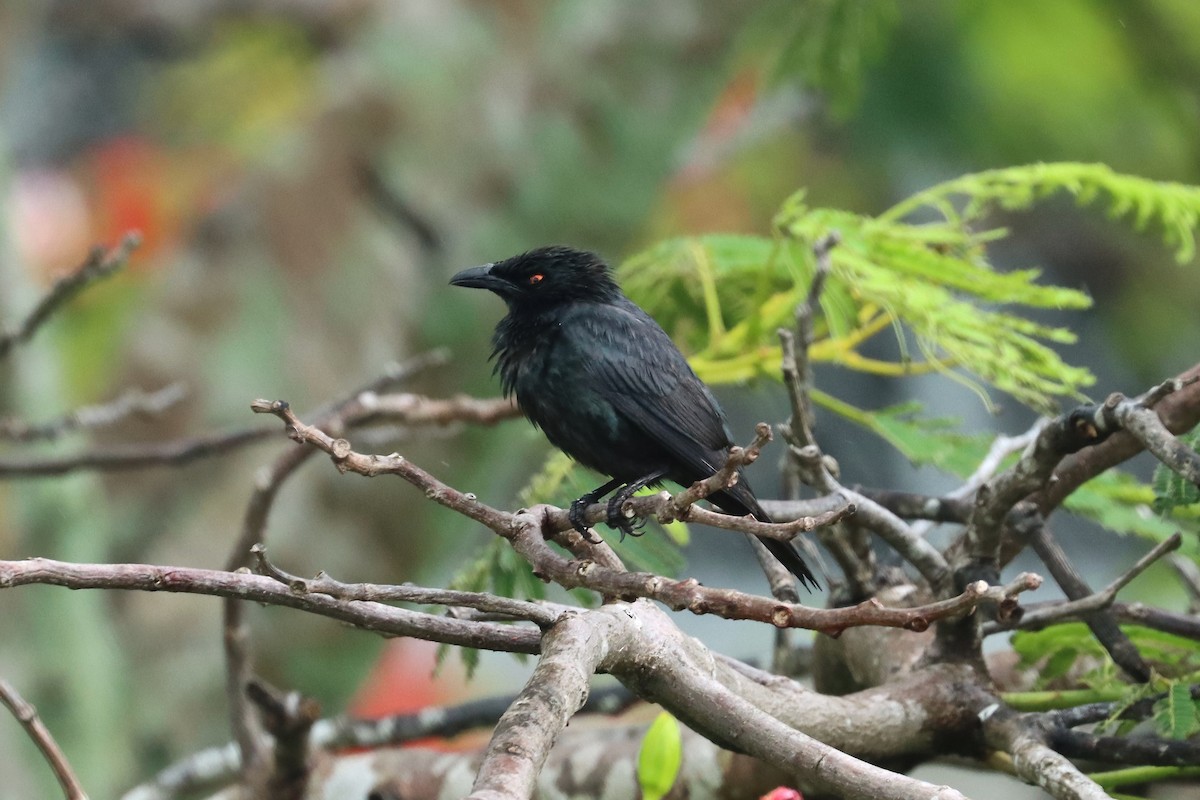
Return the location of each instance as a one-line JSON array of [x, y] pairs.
[[723, 297], [1174, 206]]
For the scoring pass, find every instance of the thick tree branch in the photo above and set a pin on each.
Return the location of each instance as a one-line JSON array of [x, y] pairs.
[[647, 657], [1179, 412], [1033, 759], [571, 652]]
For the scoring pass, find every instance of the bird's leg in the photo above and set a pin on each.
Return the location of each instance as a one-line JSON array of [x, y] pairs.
[[616, 517], [578, 508]]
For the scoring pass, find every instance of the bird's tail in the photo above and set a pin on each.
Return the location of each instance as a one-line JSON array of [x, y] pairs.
[[739, 499]]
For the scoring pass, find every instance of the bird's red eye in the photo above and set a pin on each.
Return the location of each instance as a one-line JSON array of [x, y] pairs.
[[536, 278]]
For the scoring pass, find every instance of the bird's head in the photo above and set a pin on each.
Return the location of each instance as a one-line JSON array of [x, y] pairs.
[[543, 278]]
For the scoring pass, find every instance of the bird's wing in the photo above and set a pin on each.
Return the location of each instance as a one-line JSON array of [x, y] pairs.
[[640, 371]]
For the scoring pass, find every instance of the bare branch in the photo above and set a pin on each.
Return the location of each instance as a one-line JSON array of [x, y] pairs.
[[889, 527], [1144, 425], [415, 409], [1037, 763], [129, 403], [1179, 412], [1132, 750], [1186, 625], [1033, 759], [27, 715], [377, 617], [796, 368], [690, 691], [994, 499], [529, 530], [139, 456], [571, 652], [529, 539], [1037, 617], [99, 265], [543, 614]]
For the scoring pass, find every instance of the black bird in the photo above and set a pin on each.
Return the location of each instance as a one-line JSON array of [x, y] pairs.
[[607, 385]]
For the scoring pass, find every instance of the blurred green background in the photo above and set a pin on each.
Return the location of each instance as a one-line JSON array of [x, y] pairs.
[[307, 175]]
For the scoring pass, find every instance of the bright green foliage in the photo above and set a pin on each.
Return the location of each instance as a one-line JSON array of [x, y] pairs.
[[1057, 650], [1177, 715], [1173, 206], [723, 297], [1171, 490], [1123, 504], [660, 757], [924, 441]]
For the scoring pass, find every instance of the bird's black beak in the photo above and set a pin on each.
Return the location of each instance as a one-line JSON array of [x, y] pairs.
[[479, 278]]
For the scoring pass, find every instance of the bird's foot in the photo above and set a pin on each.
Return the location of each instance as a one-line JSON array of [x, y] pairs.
[[577, 514], [628, 526]]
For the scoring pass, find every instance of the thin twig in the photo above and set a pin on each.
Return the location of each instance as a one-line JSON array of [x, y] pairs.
[[238, 662], [100, 264], [139, 456], [242, 585], [542, 614], [129, 403], [1037, 617], [27, 715]]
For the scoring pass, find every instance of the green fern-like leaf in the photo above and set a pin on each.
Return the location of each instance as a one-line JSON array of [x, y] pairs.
[[1175, 716], [1173, 206], [1172, 490], [930, 282]]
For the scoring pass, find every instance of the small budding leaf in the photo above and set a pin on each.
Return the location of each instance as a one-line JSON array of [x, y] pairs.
[[660, 757]]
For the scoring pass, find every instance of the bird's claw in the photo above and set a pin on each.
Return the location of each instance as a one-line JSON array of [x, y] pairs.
[[617, 520], [577, 514]]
